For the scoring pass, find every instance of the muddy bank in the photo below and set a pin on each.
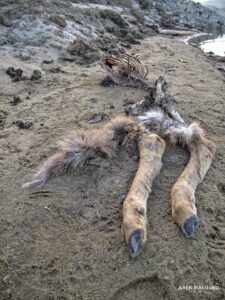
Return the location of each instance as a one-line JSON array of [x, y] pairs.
[[63, 241], [68, 30]]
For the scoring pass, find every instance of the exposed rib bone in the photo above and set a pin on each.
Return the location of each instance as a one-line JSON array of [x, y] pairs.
[[183, 191], [127, 70], [134, 228]]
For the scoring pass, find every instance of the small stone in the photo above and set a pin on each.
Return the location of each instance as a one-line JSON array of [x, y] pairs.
[[47, 62], [131, 39], [36, 75], [128, 102], [107, 81], [23, 125], [24, 56], [209, 210], [16, 100], [15, 74], [96, 118], [33, 51], [114, 51], [92, 99], [3, 41]]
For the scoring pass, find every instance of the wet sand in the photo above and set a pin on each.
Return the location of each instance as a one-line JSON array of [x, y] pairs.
[[63, 241]]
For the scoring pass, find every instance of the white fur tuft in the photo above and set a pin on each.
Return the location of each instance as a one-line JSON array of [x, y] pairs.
[[155, 115]]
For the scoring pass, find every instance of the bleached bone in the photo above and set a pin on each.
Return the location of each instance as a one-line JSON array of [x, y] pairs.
[[134, 227]]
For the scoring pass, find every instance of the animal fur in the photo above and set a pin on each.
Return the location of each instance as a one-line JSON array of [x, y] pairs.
[[183, 191], [178, 133], [134, 227], [79, 147], [151, 120]]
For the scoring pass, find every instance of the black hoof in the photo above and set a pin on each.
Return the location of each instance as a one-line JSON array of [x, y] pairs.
[[135, 242], [190, 226]]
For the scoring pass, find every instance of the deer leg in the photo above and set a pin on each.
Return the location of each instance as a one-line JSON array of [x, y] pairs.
[[183, 191], [134, 227]]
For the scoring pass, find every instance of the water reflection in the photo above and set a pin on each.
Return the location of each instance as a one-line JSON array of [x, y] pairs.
[[216, 45], [210, 43]]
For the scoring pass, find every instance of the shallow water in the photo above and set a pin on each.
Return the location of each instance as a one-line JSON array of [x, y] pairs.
[[216, 45], [208, 43]]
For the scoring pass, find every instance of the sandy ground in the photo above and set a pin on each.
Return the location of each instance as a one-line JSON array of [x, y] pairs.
[[63, 241]]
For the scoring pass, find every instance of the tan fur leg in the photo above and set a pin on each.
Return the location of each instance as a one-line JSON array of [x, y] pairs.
[[134, 226], [183, 192]]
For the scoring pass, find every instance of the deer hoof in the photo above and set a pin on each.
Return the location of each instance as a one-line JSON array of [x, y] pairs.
[[190, 226], [135, 243]]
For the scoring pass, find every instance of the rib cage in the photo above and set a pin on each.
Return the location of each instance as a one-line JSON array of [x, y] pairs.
[[126, 70]]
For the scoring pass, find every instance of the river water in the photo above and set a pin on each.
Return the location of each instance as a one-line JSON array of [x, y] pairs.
[[215, 45], [209, 43]]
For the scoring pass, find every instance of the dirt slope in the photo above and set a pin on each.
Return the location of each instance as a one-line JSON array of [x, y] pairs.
[[63, 241]]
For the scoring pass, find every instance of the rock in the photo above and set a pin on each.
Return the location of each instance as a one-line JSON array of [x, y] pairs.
[[131, 39], [46, 61], [136, 33], [56, 70], [114, 51], [78, 47], [92, 99], [128, 102], [60, 21], [188, 14], [5, 21], [96, 118], [107, 81], [114, 17], [24, 56], [36, 75], [16, 100], [33, 51], [145, 4], [83, 52], [126, 45], [3, 116], [15, 74], [23, 125], [3, 41]]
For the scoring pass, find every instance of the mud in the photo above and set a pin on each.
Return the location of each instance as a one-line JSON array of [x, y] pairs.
[[63, 241]]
